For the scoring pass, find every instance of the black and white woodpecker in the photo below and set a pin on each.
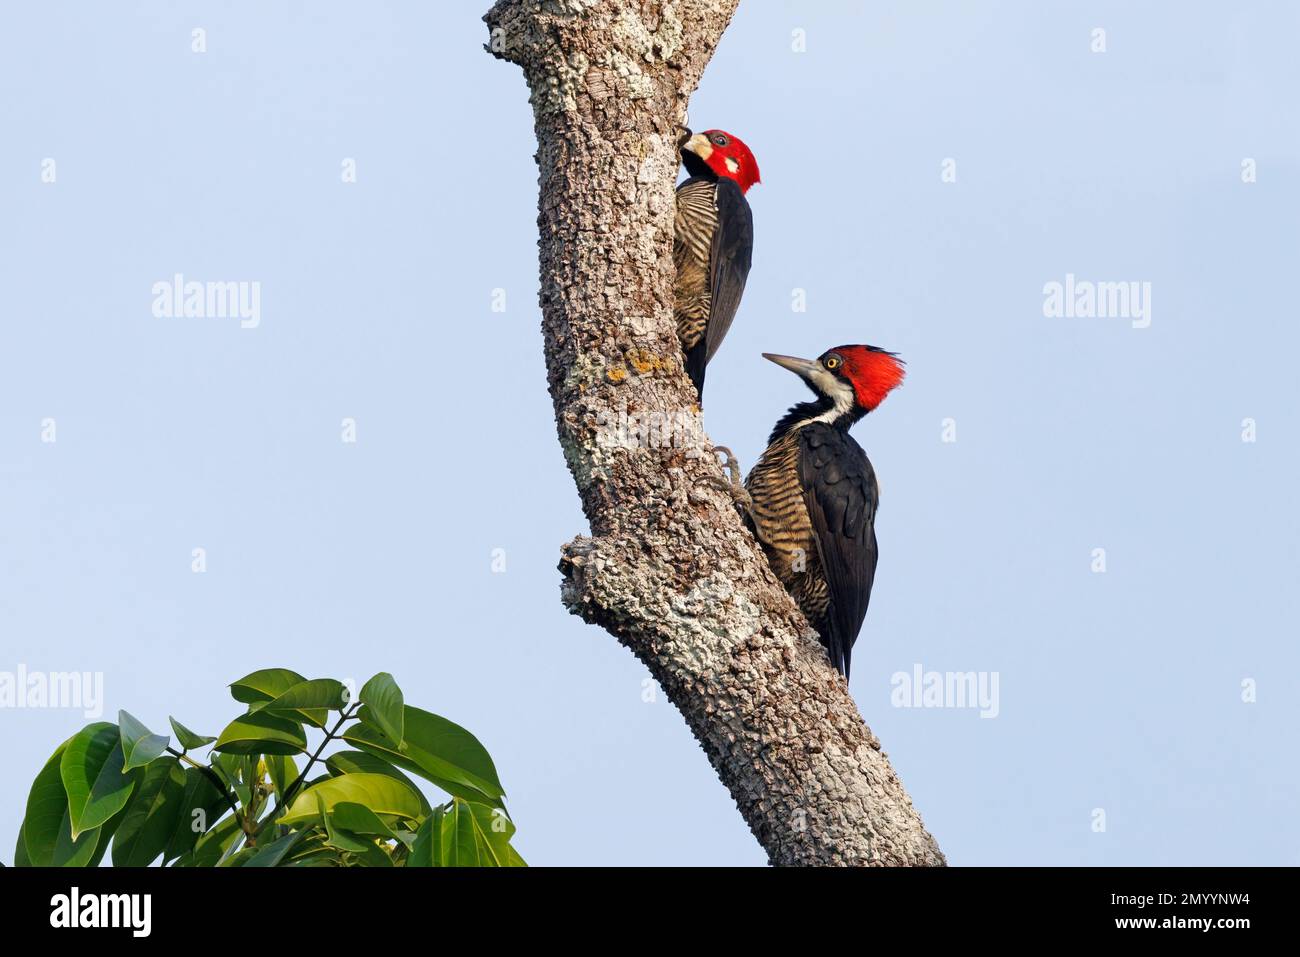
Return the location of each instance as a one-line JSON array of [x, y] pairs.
[[811, 498], [713, 243]]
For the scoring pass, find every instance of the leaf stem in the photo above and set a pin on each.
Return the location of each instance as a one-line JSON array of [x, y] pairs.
[[292, 790]]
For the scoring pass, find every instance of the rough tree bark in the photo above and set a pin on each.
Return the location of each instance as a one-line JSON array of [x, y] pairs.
[[669, 569]]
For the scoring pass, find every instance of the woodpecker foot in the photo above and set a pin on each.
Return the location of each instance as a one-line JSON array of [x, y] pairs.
[[732, 466], [733, 485]]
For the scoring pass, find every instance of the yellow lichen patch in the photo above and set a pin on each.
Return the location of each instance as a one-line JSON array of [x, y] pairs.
[[616, 374], [644, 362]]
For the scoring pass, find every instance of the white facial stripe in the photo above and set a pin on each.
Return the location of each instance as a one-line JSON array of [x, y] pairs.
[[843, 395], [733, 165], [840, 392]]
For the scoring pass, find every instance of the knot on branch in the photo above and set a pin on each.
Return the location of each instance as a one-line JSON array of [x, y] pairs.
[[697, 619]]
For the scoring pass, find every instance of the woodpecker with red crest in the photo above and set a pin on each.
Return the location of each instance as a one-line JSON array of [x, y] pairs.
[[713, 243], [811, 498]]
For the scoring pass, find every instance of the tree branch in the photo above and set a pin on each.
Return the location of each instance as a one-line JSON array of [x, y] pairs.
[[669, 569]]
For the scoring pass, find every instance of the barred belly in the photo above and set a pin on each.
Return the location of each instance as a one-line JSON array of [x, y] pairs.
[[694, 225], [785, 531]]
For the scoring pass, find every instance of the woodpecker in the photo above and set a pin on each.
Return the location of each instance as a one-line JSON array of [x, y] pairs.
[[811, 498], [712, 244]]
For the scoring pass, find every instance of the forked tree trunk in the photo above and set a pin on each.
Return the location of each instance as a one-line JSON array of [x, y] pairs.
[[669, 568]]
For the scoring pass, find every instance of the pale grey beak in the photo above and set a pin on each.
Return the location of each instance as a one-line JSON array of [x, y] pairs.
[[698, 144], [803, 368]]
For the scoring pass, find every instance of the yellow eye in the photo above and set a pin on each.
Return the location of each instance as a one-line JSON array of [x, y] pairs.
[[831, 362]]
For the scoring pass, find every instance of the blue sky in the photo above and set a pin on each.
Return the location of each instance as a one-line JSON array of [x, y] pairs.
[[1120, 691]]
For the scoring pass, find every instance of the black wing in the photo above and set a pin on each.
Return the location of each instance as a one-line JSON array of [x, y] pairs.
[[729, 261], [839, 490]]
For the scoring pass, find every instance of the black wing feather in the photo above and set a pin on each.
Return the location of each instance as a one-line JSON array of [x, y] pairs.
[[729, 262], [840, 493]]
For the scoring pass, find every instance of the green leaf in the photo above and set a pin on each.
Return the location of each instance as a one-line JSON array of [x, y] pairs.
[[319, 694], [386, 705], [339, 837], [240, 858], [92, 773], [359, 819], [260, 687], [496, 830], [435, 749], [466, 835], [151, 817], [406, 837], [74, 852], [283, 770], [229, 767], [46, 832], [427, 849], [187, 738], [460, 844], [47, 807], [265, 685], [320, 857], [273, 853], [20, 852], [106, 833], [379, 792], [261, 733], [202, 795], [316, 717], [347, 841], [212, 846], [139, 745], [312, 843], [373, 855], [350, 762]]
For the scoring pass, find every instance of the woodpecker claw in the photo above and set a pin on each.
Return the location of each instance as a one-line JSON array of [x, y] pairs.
[[730, 464], [722, 485], [733, 485]]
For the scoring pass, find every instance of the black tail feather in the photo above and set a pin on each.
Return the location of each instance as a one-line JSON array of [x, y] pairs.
[[696, 361], [839, 652]]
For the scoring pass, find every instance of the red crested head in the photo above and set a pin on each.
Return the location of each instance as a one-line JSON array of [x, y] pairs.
[[724, 155], [851, 380], [872, 372]]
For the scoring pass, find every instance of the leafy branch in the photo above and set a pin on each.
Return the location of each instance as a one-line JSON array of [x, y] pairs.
[[293, 788], [121, 786]]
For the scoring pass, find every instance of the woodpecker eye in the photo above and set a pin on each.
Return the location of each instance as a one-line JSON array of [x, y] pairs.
[[720, 140], [831, 362]]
